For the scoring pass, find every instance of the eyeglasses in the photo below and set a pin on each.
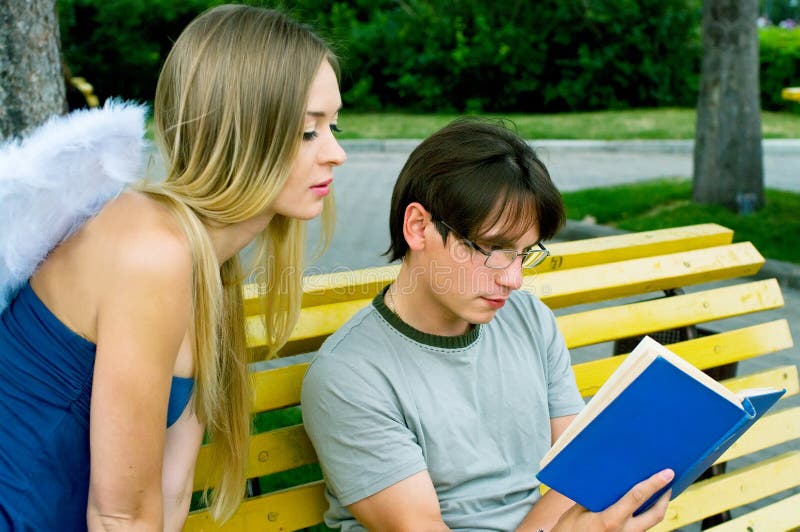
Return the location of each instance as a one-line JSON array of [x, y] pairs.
[[500, 259]]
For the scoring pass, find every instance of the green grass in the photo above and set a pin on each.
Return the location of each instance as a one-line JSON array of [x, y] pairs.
[[634, 124], [666, 203]]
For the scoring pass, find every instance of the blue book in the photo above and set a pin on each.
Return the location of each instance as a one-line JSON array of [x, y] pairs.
[[656, 411]]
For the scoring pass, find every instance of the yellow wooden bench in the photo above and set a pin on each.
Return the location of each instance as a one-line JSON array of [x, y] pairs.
[[579, 272]]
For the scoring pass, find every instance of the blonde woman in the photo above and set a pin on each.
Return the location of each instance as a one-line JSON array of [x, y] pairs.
[[128, 341]]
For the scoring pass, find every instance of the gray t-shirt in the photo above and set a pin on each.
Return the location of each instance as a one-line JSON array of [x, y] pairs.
[[383, 401]]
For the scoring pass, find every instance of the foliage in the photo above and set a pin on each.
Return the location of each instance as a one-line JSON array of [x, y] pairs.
[[450, 55], [446, 55], [119, 45], [780, 65]]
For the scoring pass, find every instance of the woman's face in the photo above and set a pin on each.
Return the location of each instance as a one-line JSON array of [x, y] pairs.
[[311, 177]]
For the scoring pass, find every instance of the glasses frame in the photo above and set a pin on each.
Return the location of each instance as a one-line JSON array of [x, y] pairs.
[[542, 253]]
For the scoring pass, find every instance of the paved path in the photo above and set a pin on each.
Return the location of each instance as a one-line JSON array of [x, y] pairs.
[[364, 183]]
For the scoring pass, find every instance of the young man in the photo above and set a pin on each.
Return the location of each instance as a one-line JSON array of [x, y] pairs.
[[431, 408]]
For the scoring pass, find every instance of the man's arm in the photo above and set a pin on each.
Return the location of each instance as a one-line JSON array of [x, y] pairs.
[[556, 512], [552, 505], [410, 504]]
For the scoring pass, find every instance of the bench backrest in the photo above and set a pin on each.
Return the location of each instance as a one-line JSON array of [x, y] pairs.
[[601, 269]]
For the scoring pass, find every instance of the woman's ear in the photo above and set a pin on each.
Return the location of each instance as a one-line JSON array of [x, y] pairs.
[[415, 221]]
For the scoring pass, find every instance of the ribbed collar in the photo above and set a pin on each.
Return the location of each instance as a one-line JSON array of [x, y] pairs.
[[433, 340]]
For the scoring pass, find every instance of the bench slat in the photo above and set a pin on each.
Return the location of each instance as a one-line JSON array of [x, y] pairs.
[[601, 250], [704, 352], [770, 430], [590, 284], [649, 274], [278, 388], [729, 490], [287, 448], [611, 323], [289, 509], [270, 452], [781, 515], [778, 377], [365, 283]]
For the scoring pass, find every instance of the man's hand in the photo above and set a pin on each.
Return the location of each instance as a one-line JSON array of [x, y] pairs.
[[619, 516]]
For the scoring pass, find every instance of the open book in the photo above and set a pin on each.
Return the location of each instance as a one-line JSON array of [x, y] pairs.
[[656, 411]]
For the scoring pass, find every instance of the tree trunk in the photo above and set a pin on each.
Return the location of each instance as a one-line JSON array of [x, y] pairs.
[[31, 77], [728, 159]]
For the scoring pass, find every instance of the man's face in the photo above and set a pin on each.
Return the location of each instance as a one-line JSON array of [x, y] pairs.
[[462, 288]]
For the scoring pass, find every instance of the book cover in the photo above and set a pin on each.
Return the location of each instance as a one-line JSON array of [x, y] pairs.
[[656, 411]]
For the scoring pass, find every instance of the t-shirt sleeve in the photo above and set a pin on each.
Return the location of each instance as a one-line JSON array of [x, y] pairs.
[[563, 396], [356, 426]]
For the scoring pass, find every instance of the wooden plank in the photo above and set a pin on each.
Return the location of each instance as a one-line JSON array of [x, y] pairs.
[[730, 490], [289, 447], [655, 273], [366, 283], [602, 250], [779, 377], [278, 388], [705, 352], [315, 324], [622, 321], [770, 430], [280, 511], [270, 452], [781, 515], [649, 274]]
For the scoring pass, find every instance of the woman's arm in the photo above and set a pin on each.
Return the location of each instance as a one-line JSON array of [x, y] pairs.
[[143, 315], [180, 454]]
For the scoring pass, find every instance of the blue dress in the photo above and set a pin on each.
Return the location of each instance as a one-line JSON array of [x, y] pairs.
[[45, 391]]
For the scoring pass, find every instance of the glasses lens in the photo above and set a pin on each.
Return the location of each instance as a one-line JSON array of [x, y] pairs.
[[501, 258], [534, 258]]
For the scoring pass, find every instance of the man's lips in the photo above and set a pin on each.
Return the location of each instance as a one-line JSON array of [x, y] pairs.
[[495, 302]]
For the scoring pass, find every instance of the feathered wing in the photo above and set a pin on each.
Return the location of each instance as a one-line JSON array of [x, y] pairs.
[[61, 174]]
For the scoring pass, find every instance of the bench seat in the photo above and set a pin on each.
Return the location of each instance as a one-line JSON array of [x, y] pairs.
[[621, 273]]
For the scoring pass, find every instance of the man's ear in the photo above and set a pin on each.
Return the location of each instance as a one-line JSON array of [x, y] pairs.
[[415, 220]]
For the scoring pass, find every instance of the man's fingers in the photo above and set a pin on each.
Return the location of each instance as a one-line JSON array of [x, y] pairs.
[[653, 516], [621, 510]]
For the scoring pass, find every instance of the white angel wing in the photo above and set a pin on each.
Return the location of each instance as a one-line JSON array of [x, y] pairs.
[[58, 176]]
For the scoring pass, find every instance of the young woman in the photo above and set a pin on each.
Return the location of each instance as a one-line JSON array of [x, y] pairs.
[[128, 341]]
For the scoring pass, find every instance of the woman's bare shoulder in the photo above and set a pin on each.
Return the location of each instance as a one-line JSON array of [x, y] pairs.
[[137, 233]]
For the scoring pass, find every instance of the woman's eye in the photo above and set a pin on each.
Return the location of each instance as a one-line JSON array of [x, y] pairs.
[[309, 135], [335, 128]]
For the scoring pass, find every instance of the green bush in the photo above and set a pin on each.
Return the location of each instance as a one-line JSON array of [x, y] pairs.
[[425, 55], [120, 45], [780, 65]]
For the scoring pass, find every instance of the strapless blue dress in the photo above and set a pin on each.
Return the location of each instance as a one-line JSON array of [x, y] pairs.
[[45, 391]]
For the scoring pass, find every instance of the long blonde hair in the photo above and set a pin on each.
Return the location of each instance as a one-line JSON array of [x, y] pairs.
[[228, 114]]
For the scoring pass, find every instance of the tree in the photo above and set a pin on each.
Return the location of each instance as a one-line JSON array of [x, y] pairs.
[[728, 159], [31, 76]]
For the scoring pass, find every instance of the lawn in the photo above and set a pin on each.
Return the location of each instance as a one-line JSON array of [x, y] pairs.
[[633, 124], [666, 203]]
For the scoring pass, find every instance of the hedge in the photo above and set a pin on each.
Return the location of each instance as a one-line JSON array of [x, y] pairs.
[[444, 55], [780, 65]]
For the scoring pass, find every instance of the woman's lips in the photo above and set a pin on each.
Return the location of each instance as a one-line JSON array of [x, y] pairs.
[[322, 189]]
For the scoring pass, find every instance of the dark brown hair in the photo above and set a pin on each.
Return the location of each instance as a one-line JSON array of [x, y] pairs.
[[473, 174]]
